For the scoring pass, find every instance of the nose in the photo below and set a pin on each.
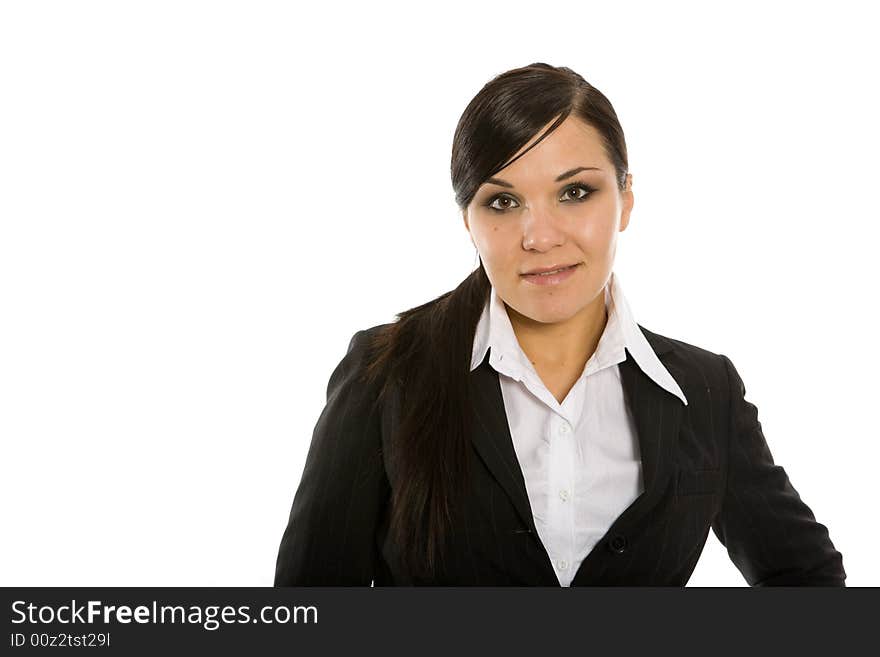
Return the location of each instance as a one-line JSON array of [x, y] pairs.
[[541, 231]]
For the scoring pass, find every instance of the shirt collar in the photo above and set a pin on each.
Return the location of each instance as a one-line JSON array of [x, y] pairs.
[[621, 332]]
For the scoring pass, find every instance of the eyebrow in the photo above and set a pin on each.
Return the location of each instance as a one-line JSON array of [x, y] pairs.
[[561, 176]]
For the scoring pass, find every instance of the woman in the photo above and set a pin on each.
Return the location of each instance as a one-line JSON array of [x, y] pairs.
[[522, 429]]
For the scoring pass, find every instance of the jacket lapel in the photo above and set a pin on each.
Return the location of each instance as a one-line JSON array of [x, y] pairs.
[[657, 415], [490, 434]]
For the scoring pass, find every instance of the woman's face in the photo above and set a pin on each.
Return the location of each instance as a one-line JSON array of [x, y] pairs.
[[539, 221]]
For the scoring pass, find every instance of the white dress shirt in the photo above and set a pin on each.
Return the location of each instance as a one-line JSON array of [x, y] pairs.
[[580, 459]]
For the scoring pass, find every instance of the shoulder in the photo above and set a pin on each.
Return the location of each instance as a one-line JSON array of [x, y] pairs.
[[370, 331], [367, 357], [694, 366], [364, 340], [665, 343]]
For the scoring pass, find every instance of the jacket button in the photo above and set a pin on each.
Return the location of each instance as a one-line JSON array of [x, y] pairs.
[[617, 543]]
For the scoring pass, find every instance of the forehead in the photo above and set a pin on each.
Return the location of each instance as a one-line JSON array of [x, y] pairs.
[[572, 144]]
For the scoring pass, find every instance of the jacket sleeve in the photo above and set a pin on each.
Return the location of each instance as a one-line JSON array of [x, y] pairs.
[[330, 534], [771, 535]]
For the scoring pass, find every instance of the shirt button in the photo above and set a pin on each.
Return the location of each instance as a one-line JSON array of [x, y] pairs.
[[562, 563], [563, 429], [563, 494]]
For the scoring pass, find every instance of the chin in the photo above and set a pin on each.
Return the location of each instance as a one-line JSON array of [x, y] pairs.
[[551, 314]]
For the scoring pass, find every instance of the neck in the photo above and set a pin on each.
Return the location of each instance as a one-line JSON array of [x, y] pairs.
[[567, 344]]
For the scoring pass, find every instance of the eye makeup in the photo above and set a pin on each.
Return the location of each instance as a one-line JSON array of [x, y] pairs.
[[588, 189]]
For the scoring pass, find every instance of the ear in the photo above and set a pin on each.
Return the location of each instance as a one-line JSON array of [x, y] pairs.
[[467, 225], [628, 201]]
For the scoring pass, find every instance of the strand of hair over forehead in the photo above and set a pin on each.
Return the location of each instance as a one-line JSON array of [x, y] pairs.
[[552, 127]]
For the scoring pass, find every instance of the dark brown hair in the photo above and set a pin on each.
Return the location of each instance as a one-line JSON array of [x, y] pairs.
[[425, 354]]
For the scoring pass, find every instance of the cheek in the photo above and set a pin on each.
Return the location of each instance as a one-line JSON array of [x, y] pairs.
[[596, 234], [497, 243]]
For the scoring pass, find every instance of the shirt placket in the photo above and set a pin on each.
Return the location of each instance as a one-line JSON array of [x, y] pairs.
[[561, 512]]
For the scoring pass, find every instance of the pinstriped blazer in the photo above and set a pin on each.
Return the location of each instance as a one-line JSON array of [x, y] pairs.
[[706, 466]]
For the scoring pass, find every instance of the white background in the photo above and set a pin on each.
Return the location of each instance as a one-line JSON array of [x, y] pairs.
[[201, 202]]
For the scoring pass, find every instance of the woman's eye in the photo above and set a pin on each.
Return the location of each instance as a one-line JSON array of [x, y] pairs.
[[575, 189], [570, 194], [499, 199]]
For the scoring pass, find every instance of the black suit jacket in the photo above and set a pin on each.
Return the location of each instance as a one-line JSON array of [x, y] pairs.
[[705, 465]]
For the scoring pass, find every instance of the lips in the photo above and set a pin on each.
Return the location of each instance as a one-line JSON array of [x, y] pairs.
[[546, 271]]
